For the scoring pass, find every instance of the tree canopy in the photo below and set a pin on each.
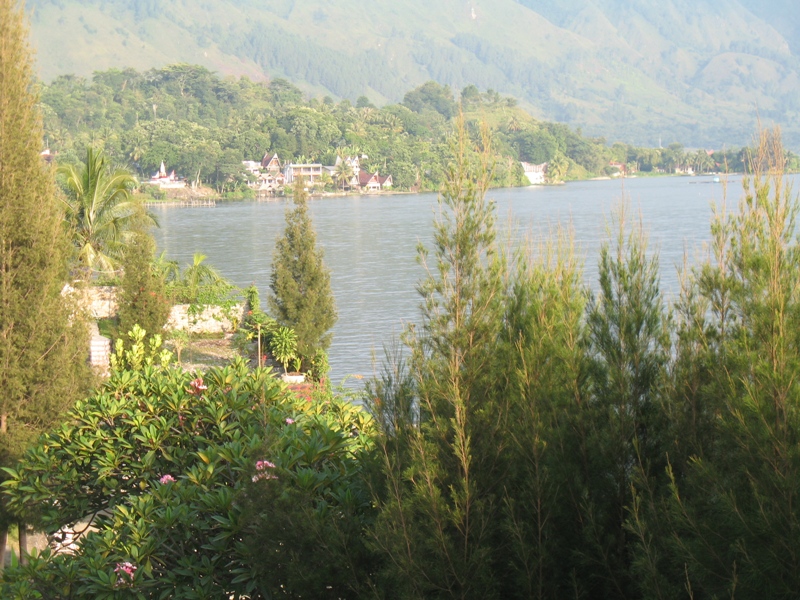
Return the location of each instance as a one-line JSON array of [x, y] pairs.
[[43, 338], [300, 282]]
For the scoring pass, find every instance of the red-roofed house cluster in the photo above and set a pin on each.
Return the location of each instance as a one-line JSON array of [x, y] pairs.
[[270, 175]]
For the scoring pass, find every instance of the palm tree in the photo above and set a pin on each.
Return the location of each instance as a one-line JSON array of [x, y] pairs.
[[166, 269], [557, 168], [197, 275], [100, 211], [702, 161], [343, 172]]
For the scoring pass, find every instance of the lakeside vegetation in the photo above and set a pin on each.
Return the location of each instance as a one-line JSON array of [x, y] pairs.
[[536, 439], [204, 126]]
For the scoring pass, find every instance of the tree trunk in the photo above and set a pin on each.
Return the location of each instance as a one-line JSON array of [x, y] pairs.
[[3, 540], [23, 543]]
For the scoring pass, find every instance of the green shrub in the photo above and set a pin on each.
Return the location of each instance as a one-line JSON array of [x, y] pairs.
[[144, 299], [308, 505], [159, 459], [283, 345]]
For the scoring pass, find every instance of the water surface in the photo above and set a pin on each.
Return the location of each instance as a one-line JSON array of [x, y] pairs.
[[370, 243]]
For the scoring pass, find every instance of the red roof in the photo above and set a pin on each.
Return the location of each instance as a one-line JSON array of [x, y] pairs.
[[267, 160], [365, 178]]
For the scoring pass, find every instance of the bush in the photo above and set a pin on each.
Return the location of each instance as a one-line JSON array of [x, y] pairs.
[[157, 458], [308, 506]]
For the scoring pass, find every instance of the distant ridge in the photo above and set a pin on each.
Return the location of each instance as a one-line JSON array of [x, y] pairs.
[[700, 72]]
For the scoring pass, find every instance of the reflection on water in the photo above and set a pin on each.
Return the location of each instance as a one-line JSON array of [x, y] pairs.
[[370, 243]]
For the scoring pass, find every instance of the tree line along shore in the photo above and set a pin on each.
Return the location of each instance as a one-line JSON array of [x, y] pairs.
[[203, 126]]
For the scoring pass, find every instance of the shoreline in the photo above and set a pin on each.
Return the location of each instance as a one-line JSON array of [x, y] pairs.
[[212, 201]]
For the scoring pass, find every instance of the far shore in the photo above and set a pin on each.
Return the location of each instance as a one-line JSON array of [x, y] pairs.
[[208, 197]]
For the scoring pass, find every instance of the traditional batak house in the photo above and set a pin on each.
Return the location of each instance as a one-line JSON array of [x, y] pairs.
[[267, 172], [386, 181], [271, 164], [374, 182], [271, 181], [167, 182]]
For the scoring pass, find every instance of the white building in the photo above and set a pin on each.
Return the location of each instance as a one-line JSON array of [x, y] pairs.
[[535, 173]]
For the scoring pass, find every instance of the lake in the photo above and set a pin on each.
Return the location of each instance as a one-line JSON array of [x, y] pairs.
[[370, 243]]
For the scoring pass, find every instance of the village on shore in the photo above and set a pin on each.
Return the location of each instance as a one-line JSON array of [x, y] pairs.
[[270, 176]]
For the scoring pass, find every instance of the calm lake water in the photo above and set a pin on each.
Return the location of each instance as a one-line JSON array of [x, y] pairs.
[[370, 243]]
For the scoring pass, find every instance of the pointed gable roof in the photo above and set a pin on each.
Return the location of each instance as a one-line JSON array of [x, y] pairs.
[[365, 178], [272, 162]]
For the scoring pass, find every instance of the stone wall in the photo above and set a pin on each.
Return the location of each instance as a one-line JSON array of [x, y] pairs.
[[100, 300], [102, 303], [211, 320]]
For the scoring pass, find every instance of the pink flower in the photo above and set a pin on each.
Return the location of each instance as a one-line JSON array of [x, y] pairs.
[[125, 572], [289, 421], [261, 468], [196, 387], [165, 479]]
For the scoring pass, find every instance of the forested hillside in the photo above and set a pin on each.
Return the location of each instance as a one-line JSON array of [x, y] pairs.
[[700, 72], [204, 126]]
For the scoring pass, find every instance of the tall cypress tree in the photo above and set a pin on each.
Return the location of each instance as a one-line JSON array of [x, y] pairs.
[[301, 283], [144, 299], [42, 347], [438, 520]]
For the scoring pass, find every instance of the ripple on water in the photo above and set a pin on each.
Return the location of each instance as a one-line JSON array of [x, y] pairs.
[[370, 243]]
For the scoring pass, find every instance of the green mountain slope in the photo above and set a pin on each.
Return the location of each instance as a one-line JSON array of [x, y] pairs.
[[700, 72]]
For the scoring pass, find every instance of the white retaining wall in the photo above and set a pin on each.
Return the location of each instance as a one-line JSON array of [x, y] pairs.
[[211, 320]]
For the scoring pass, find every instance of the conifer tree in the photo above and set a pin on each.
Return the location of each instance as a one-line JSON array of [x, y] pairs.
[[437, 523], [301, 283], [542, 356], [43, 344], [628, 352], [144, 300], [728, 521]]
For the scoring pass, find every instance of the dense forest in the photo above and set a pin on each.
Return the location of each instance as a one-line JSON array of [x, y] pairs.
[[203, 126], [701, 73]]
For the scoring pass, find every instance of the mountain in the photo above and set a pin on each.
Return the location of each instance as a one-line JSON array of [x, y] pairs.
[[701, 72]]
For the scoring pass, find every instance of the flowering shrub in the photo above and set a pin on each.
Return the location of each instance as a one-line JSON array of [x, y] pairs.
[[158, 459], [262, 471], [308, 504], [126, 573], [155, 458]]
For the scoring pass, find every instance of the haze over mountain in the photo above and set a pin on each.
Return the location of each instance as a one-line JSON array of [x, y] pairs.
[[697, 72]]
